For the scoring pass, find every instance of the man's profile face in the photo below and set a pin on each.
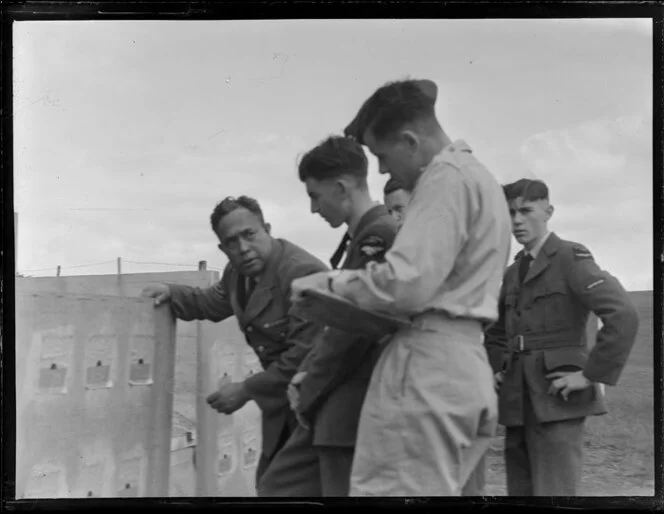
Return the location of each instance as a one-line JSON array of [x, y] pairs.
[[327, 200], [529, 219], [396, 157], [245, 241], [396, 203]]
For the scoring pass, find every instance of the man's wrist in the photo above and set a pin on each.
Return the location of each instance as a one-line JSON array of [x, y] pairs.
[[332, 276], [244, 390]]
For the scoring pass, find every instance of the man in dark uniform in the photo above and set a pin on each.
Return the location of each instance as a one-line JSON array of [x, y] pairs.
[[329, 389], [549, 379], [255, 287]]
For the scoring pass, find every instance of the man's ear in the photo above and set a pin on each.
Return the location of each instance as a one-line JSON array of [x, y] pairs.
[[341, 186], [268, 228], [549, 211], [410, 138]]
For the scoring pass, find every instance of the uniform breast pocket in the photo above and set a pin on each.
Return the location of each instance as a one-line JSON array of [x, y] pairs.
[[511, 300], [552, 303], [276, 330]]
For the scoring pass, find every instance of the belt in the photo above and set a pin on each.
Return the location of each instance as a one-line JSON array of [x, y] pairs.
[[462, 329], [527, 343], [523, 345]]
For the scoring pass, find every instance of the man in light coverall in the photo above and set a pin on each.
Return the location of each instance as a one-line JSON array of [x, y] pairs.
[[431, 408]]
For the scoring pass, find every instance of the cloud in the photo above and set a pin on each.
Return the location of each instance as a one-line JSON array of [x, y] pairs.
[[599, 175]]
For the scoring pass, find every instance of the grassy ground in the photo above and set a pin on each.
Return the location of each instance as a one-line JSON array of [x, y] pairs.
[[619, 445]]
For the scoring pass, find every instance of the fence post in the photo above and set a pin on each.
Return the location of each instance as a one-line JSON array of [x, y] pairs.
[[202, 265], [119, 266], [57, 273], [207, 420], [15, 240]]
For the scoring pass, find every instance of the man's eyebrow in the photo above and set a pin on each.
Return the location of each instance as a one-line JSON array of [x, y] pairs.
[[231, 237]]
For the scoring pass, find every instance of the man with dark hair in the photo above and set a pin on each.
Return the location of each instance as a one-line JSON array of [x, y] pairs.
[[431, 409], [328, 392], [549, 380], [255, 287], [396, 199]]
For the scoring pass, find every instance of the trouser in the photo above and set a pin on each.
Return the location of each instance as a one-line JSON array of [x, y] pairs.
[[429, 414], [264, 461], [301, 469], [477, 480], [544, 459]]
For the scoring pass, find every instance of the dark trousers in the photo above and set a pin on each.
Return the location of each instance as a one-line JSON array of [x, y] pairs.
[[265, 461], [301, 469], [544, 459]]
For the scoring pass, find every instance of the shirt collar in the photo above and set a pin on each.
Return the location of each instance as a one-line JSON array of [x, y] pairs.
[[446, 155], [538, 247]]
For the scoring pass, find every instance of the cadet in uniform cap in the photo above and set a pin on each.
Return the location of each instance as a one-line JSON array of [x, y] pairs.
[[255, 288], [431, 409], [546, 373], [328, 391]]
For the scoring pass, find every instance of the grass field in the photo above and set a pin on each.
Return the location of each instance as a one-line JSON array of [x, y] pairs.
[[619, 446]]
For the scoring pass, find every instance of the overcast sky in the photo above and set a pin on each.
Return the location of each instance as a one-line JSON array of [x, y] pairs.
[[128, 133]]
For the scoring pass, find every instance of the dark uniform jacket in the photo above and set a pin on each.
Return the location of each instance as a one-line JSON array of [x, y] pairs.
[[542, 328], [280, 338], [340, 365]]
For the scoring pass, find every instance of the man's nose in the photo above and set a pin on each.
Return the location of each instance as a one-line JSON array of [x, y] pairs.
[[244, 246]]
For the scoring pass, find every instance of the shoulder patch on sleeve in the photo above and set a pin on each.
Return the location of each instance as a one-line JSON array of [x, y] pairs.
[[581, 252], [594, 284], [373, 245]]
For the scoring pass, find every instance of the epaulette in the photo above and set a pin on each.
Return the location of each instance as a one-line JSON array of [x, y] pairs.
[[581, 252]]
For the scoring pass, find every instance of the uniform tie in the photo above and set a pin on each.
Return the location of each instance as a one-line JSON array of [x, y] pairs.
[[340, 251], [524, 265], [245, 289], [251, 285]]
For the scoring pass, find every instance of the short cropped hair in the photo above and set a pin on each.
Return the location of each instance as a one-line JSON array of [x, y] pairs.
[[229, 204], [393, 185], [528, 189], [392, 106], [332, 158]]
